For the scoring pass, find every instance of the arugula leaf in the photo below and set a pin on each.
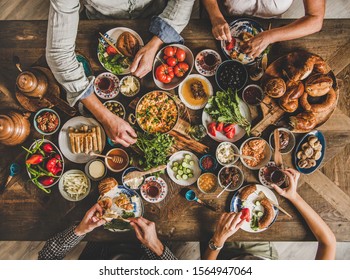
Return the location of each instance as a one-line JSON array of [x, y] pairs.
[[224, 107]]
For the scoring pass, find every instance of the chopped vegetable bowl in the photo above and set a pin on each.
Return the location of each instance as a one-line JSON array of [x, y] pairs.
[[44, 163]]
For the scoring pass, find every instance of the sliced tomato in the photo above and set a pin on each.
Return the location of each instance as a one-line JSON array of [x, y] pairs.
[[111, 51], [245, 214], [229, 127], [220, 127], [230, 134], [212, 128], [230, 45]]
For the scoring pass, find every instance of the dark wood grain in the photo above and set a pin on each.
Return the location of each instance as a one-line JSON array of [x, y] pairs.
[[26, 213]]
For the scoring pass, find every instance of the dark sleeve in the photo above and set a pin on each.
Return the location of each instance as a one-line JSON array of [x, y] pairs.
[[167, 254], [57, 247]]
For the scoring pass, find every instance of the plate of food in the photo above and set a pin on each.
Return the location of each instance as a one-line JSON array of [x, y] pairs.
[[157, 112], [74, 185], [117, 49], [226, 117], [207, 61], [154, 189], [310, 152], [303, 88], [79, 136], [257, 148], [195, 91], [118, 203], [44, 164], [257, 199], [172, 65], [183, 168], [242, 30]]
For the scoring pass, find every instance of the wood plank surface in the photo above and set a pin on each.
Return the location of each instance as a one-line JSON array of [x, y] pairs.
[[28, 214]]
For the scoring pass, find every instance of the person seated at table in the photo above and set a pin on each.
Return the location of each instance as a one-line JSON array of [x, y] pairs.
[[57, 247], [172, 17], [306, 25], [229, 223]]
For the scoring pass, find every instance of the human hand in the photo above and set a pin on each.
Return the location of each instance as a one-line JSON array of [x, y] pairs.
[[291, 191], [143, 60], [118, 130], [227, 225], [146, 232], [221, 30], [90, 221], [255, 46]]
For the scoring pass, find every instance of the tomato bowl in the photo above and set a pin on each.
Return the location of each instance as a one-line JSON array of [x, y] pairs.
[[172, 65]]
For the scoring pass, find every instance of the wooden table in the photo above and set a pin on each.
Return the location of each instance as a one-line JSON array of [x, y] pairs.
[[26, 213]]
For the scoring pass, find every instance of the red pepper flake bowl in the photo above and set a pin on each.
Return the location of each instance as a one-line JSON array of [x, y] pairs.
[[208, 163], [45, 158], [47, 121]]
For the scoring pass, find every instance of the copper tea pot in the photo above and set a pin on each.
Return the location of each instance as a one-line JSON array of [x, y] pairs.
[[34, 83], [14, 128]]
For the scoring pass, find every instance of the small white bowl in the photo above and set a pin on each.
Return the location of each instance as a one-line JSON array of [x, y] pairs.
[[64, 193], [291, 143], [228, 144], [137, 82]]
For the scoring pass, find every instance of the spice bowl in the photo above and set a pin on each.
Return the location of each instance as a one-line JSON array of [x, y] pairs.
[[208, 163]]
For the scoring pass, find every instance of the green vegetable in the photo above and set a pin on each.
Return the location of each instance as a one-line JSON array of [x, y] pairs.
[[116, 64], [224, 107], [155, 147]]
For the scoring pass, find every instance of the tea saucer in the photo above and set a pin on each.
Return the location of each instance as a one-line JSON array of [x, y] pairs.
[[110, 93], [163, 189], [201, 66], [263, 180]]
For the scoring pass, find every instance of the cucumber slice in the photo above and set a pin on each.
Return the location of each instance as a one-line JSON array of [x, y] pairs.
[[178, 176], [185, 177], [175, 168], [257, 203], [260, 214], [187, 156], [180, 172], [188, 171], [244, 203], [175, 163], [190, 175], [192, 162]]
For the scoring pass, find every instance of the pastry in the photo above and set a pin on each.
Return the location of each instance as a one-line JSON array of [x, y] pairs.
[[303, 121], [318, 85], [128, 44], [275, 87], [329, 102], [106, 185], [289, 102]]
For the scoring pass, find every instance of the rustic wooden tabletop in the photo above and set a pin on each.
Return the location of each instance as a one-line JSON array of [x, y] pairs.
[[26, 213]]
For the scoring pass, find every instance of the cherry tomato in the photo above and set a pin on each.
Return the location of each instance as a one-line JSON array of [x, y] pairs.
[[220, 126], [46, 180], [164, 73], [212, 128], [180, 55], [47, 147], [171, 61], [245, 214], [180, 69], [170, 51], [111, 51]]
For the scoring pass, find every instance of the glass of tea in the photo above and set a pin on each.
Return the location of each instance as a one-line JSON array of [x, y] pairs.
[[153, 189], [106, 84]]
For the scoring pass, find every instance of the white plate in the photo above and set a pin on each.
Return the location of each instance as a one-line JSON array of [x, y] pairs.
[[240, 132], [64, 193], [63, 139], [199, 60], [236, 205], [163, 191], [134, 198], [113, 35], [203, 80], [179, 156]]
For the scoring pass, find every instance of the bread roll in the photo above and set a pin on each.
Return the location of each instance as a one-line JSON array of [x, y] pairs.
[[318, 85], [289, 102], [275, 87], [128, 44], [329, 102], [321, 66], [106, 185], [304, 121], [300, 66]]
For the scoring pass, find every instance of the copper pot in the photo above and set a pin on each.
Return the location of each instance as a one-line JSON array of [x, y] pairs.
[[14, 128], [32, 83]]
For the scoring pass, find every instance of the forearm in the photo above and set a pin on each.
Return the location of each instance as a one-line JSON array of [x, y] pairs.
[[210, 254], [302, 27], [213, 10], [57, 247], [318, 227], [94, 105]]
